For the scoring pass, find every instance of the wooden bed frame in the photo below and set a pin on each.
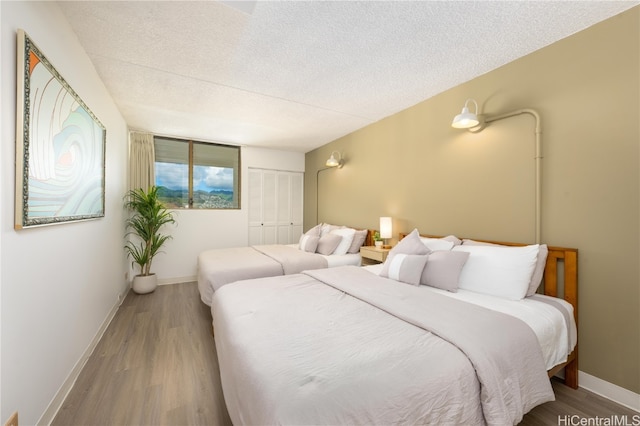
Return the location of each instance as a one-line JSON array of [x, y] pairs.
[[557, 282], [369, 240]]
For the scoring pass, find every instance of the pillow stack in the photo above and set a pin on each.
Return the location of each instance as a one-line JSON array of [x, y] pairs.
[[429, 261], [449, 264], [329, 239]]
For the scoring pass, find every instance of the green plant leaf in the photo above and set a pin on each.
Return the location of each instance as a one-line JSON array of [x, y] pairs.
[[148, 216]]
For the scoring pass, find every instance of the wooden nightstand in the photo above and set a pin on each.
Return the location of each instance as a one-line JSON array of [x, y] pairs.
[[372, 254]]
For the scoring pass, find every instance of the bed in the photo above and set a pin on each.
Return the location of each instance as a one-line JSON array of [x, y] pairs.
[[323, 246], [357, 345]]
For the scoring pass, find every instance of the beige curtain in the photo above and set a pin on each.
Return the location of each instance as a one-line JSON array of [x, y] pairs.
[[141, 161]]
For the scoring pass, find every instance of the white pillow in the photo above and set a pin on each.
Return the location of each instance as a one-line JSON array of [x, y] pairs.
[[437, 243], [538, 272], [455, 240], [498, 271], [347, 235], [327, 228]]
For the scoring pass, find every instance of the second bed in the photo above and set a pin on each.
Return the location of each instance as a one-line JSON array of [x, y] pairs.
[[219, 267]]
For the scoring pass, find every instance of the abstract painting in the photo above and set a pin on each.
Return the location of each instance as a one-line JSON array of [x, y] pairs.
[[60, 146]]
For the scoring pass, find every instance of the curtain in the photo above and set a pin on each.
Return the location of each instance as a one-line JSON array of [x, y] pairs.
[[141, 161]]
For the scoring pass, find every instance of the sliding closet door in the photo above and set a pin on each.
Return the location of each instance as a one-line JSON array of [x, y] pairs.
[[275, 206]]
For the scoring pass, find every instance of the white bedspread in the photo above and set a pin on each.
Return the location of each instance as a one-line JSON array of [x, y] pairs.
[[554, 327], [218, 267], [293, 350], [339, 260]]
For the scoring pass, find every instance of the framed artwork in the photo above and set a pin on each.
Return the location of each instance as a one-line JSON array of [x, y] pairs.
[[60, 146]]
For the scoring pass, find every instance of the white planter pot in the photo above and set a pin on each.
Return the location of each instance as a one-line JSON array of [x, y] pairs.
[[378, 244], [143, 284]]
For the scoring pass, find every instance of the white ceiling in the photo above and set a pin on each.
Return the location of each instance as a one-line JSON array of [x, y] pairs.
[[295, 75]]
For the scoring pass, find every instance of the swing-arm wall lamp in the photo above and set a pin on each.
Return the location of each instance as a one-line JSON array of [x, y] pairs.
[[475, 123]]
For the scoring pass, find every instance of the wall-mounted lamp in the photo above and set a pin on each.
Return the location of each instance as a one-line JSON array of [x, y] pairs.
[[386, 230], [333, 162], [465, 120]]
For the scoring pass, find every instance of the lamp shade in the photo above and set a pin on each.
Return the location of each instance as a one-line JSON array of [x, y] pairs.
[[333, 161], [466, 119], [386, 228]]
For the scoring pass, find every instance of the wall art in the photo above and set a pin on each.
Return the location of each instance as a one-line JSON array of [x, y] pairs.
[[60, 146]]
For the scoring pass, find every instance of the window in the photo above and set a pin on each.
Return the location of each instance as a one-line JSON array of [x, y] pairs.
[[197, 175]]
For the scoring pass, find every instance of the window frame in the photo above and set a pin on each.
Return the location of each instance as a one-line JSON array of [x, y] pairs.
[[237, 188]]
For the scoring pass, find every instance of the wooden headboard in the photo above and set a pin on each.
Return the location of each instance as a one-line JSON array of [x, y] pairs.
[[560, 280], [369, 241]]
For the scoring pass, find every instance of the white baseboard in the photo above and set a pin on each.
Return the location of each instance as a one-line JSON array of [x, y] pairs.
[[178, 280], [57, 401], [615, 393]]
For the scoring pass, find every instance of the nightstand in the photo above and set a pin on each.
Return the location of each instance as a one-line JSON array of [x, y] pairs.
[[372, 254]]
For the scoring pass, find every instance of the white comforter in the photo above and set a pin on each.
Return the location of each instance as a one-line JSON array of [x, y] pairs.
[[550, 318], [218, 267], [294, 350]]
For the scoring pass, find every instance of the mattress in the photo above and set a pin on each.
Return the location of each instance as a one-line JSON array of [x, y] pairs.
[[342, 345], [550, 318], [339, 260], [218, 267]]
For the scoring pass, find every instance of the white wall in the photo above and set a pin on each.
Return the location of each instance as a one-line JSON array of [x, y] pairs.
[[58, 283], [199, 230]]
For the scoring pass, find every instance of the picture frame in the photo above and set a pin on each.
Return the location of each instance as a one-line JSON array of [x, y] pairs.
[[60, 146]]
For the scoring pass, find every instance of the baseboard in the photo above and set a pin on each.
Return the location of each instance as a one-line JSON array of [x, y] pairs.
[[615, 393], [57, 401], [178, 280]]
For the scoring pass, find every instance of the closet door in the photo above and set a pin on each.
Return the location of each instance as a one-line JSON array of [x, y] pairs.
[[269, 207], [275, 206], [284, 208], [290, 205], [297, 205], [262, 207]]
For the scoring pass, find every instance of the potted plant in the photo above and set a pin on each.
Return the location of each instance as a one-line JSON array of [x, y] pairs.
[[377, 240], [148, 216]]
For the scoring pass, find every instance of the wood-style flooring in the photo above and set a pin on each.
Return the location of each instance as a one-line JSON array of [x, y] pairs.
[[156, 365]]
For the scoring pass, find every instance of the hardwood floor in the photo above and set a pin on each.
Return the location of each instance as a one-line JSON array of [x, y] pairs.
[[156, 365], [579, 407]]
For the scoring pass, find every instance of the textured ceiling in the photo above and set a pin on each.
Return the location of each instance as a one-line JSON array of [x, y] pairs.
[[297, 74]]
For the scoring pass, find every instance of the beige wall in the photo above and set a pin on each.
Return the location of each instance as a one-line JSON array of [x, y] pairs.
[[414, 167]]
